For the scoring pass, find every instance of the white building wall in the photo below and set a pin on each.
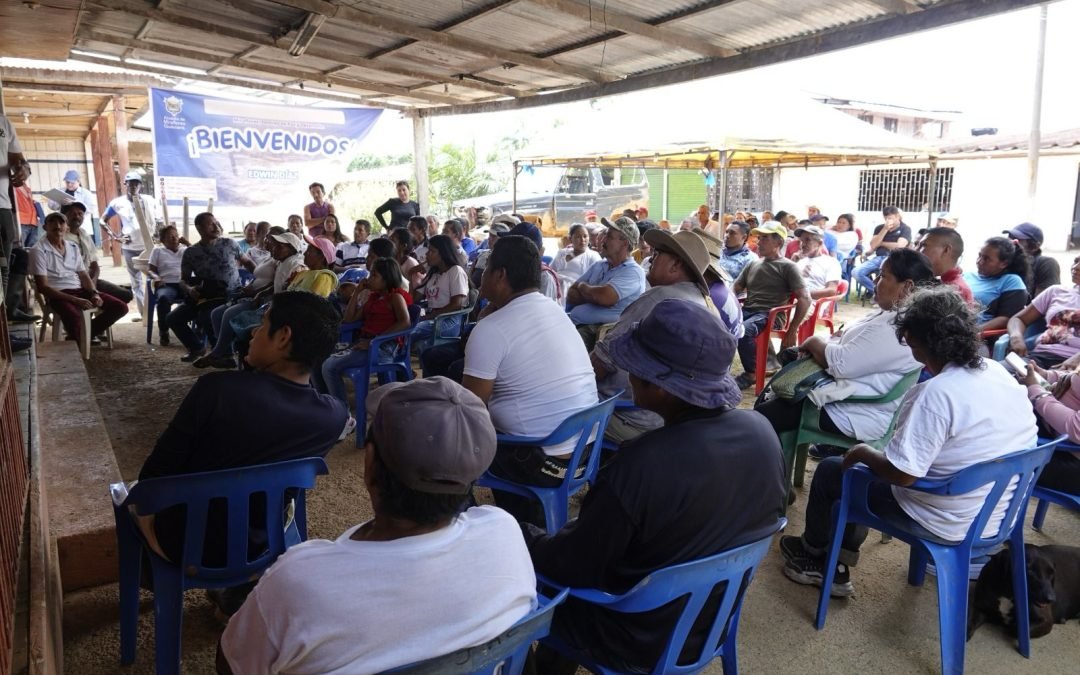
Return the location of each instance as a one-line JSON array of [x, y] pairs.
[[989, 195]]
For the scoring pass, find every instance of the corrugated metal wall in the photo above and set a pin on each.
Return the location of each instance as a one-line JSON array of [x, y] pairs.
[[686, 192], [51, 159]]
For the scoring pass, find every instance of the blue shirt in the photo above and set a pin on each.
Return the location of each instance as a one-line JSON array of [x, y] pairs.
[[997, 295], [468, 245], [734, 262], [628, 280]]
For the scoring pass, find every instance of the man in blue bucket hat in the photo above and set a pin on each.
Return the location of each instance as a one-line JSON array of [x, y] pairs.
[[710, 479]]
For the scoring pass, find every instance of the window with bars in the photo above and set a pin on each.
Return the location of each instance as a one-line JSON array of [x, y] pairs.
[[906, 189], [748, 189]]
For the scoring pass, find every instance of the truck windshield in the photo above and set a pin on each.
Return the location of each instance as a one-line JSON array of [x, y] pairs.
[[539, 179]]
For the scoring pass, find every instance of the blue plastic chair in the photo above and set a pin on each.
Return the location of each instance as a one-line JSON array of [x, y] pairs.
[[951, 558], [620, 404], [1046, 496], [1031, 334], [398, 368], [733, 569], [546, 259], [556, 500], [504, 654], [232, 487]]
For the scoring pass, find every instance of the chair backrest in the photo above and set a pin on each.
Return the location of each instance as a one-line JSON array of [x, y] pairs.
[[729, 573], [583, 425], [504, 654], [1023, 466], [233, 489]]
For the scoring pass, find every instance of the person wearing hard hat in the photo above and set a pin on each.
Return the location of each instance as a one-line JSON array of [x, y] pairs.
[[77, 193], [131, 238]]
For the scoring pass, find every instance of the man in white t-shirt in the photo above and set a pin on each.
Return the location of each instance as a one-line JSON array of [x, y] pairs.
[[820, 271], [126, 207], [970, 411], [406, 585], [523, 360]]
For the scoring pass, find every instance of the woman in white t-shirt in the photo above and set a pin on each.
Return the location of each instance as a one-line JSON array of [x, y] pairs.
[[446, 289], [571, 262], [970, 411]]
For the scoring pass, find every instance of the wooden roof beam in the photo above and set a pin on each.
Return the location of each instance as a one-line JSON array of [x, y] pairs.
[[138, 9], [46, 88], [234, 62], [243, 83], [629, 25], [406, 28]]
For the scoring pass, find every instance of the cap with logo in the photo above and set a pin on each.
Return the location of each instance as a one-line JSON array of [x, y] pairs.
[[771, 227], [133, 175], [810, 229], [72, 176], [290, 239]]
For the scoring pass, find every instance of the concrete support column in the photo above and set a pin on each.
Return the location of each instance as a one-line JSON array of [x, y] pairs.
[[421, 148]]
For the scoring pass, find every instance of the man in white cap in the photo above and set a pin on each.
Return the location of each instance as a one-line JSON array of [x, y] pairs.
[[131, 238], [820, 271], [424, 577]]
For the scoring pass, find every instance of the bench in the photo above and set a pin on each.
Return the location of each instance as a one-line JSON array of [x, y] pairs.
[[77, 465]]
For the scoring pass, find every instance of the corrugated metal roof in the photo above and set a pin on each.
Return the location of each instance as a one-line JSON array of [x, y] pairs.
[[1065, 139], [473, 55]]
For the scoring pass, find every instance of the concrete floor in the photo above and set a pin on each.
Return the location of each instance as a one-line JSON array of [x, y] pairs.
[[887, 627]]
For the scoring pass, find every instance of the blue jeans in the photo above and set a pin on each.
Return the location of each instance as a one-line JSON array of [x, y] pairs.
[[424, 335], [862, 272], [167, 296], [753, 324], [825, 492], [334, 367], [30, 235], [220, 319]]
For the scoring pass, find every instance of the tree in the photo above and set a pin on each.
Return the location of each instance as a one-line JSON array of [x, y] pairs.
[[455, 174]]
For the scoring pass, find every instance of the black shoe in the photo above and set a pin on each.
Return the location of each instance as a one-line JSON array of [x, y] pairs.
[[190, 357], [791, 547], [820, 451], [19, 344], [95, 340], [810, 571], [19, 316], [164, 341]]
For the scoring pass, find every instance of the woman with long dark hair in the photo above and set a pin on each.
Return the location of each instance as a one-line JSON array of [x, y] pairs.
[[446, 287], [403, 254], [999, 285], [386, 310], [332, 230], [400, 208]]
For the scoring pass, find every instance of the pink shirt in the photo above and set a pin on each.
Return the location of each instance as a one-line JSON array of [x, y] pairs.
[[1063, 416], [1061, 307]]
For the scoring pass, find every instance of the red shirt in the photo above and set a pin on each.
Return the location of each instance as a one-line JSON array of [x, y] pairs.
[[955, 278], [378, 314]]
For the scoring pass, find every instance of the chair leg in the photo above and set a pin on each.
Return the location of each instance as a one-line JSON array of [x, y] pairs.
[[130, 560], [799, 476], [555, 510], [1040, 514], [839, 522], [729, 658], [168, 621], [952, 584], [151, 303], [84, 347], [1020, 590], [916, 572], [360, 384]]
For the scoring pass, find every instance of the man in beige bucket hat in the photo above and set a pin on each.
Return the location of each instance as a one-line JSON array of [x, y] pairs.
[[677, 271]]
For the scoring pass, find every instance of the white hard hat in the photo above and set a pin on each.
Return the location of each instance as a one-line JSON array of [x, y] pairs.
[[133, 175]]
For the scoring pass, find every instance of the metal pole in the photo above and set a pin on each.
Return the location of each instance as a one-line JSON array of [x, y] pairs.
[[931, 198], [1035, 139], [513, 190], [187, 220], [664, 200], [721, 185]]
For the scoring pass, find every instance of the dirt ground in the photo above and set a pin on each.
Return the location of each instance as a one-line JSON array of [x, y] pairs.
[[888, 627]]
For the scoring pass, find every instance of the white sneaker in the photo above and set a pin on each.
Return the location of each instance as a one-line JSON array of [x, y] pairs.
[[350, 426]]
